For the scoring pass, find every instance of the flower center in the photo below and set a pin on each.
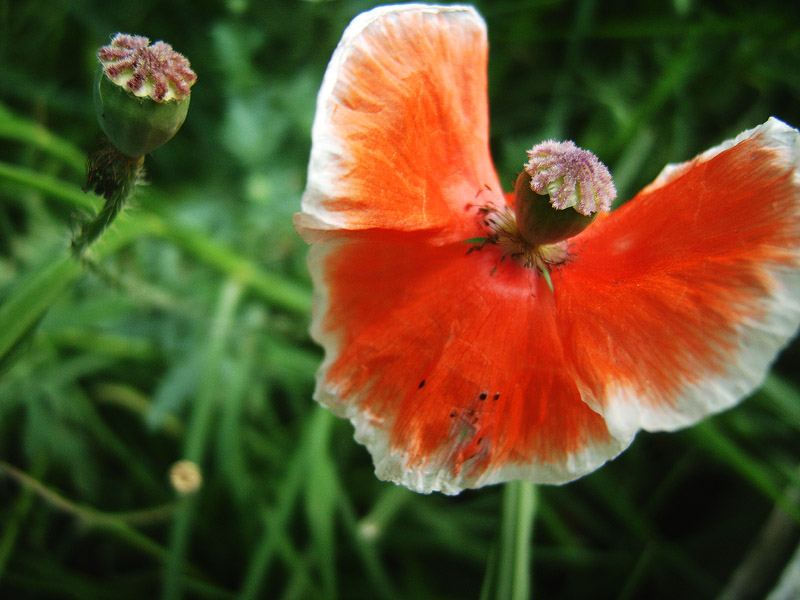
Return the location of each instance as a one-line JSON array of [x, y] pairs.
[[504, 231], [558, 194]]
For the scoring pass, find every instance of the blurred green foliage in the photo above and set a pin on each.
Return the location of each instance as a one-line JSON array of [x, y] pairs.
[[188, 339]]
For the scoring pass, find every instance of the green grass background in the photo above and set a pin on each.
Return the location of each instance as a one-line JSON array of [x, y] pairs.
[[190, 339]]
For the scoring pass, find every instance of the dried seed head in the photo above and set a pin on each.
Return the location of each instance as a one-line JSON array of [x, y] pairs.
[[148, 70]]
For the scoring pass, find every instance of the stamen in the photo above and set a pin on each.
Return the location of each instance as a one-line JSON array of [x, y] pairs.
[[503, 231]]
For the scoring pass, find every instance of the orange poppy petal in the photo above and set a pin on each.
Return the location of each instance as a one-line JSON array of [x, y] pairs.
[[450, 365], [458, 366], [401, 135], [679, 301]]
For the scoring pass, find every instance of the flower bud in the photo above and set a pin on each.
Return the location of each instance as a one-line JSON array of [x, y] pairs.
[[141, 93], [186, 477]]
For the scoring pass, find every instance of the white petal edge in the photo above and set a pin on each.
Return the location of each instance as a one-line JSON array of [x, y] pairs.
[[392, 466], [324, 168], [760, 340]]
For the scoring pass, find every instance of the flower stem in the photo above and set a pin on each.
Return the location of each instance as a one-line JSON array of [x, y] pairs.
[[88, 515], [513, 572], [199, 429], [112, 175]]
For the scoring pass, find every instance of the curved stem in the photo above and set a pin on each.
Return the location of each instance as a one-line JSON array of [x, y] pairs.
[[112, 175], [117, 524], [278, 290], [21, 129], [38, 291]]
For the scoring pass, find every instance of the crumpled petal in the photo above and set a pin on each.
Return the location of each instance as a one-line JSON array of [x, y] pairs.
[[401, 132], [449, 364], [687, 292]]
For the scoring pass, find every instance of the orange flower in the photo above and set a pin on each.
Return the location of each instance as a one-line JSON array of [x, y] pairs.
[[455, 360]]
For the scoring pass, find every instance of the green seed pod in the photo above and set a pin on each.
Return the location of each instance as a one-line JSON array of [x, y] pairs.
[[141, 93], [560, 192], [540, 223]]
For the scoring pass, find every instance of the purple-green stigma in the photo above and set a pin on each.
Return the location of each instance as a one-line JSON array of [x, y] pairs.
[[571, 177], [559, 193]]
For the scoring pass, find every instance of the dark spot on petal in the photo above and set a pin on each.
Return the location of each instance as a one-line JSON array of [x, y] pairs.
[[483, 396], [421, 383], [452, 415], [497, 396]]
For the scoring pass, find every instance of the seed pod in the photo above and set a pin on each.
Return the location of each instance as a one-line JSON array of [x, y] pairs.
[[560, 192], [537, 220], [141, 93]]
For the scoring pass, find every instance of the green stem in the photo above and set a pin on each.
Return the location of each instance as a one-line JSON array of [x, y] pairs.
[[89, 516], [275, 289], [127, 397], [17, 128], [368, 546], [110, 172], [68, 193], [278, 516], [200, 426], [513, 573], [30, 299], [27, 302], [761, 478], [117, 524], [15, 522], [114, 176]]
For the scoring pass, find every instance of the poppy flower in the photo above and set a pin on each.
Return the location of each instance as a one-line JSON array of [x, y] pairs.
[[466, 350]]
